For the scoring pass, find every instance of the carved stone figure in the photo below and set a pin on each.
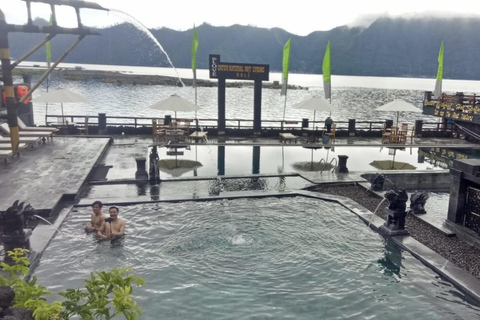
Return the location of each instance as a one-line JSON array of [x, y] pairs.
[[396, 212], [417, 202], [377, 181], [13, 221]]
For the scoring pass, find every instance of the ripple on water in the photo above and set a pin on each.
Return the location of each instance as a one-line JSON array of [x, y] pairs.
[[243, 259]]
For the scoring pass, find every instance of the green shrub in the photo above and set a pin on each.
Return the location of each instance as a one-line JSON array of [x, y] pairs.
[[106, 294]]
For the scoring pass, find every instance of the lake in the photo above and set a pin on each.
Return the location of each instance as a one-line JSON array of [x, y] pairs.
[[355, 97]]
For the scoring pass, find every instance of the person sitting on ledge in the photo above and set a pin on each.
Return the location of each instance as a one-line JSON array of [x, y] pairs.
[[328, 124], [97, 217], [112, 227]]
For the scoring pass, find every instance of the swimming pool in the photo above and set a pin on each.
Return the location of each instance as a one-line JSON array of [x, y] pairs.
[[269, 258], [210, 160], [194, 189]]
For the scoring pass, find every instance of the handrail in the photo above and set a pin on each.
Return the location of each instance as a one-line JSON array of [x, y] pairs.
[[236, 123], [330, 163]]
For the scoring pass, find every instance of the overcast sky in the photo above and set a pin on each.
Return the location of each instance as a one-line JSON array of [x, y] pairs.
[[299, 17]]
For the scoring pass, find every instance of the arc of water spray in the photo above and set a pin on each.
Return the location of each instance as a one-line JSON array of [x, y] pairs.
[[41, 218], [128, 18]]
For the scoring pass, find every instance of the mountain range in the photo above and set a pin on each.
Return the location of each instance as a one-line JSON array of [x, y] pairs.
[[393, 47]]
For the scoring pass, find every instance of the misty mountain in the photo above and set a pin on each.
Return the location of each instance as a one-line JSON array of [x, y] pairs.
[[388, 47]]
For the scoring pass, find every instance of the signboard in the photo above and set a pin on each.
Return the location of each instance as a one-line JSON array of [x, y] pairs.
[[453, 111], [237, 71]]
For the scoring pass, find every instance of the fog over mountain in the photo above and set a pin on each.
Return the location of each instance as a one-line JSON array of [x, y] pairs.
[[371, 46]]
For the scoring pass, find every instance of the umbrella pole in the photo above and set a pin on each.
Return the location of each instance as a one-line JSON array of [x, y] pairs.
[[311, 162], [63, 118], [398, 112], [314, 112]]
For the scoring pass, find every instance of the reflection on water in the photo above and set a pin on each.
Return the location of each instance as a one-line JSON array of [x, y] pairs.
[[444, 157], [241, 160]]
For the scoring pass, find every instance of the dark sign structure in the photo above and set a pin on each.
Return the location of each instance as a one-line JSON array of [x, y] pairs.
[[238, 71]]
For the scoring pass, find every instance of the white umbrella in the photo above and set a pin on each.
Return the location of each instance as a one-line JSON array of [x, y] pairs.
[[315, 103], [60, 96], [398, 105], [175, 103]]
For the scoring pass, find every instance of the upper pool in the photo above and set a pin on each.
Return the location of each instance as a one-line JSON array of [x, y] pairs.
[[210, 160], [270, 258]]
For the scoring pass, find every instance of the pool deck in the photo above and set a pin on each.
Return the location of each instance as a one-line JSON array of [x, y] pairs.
[[44, 174], [47, 174]]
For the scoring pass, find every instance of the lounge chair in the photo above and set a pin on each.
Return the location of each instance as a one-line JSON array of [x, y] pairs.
[[31, 134], [25, 128], [8, 147], [25, 140], [286, 136]]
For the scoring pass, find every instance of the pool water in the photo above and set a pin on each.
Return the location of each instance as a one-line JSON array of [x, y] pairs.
[[210, 160], [194, 189], [271, 258]]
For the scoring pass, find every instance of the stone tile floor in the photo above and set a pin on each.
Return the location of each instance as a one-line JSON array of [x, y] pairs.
[[44, 173]]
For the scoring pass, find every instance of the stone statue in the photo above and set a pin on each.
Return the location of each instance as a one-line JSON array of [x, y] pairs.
[[396, 212], [397, 198], [14, 221], [417, 202], [377, 181], [154, 169]]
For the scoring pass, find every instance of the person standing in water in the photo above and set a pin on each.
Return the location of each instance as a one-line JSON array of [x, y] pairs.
[[97, 217], [112, 227]]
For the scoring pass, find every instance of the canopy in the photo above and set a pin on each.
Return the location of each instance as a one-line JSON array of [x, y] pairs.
[[398, 105], [177, 167], [392, 164], [315, 103], [175, 103], [60, 96]]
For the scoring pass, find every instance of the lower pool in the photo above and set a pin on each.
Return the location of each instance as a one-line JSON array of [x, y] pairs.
[[270, 258]]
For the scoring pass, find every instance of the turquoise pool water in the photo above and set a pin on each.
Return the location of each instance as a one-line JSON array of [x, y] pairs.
[[271, 258]]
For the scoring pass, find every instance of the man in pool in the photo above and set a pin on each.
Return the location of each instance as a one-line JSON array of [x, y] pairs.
[[112, 227], [97, 217]]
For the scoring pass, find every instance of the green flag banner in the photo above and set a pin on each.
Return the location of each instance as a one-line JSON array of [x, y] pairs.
[[285, 66], [326, 69], [438, 84], [194, 49]]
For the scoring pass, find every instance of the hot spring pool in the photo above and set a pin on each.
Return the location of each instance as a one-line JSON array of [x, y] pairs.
[[270, 258]]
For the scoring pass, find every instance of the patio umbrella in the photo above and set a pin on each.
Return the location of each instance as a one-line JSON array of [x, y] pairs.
[[392, 164], [175, 103], [399, 105], [177, 167], [60, 96], [315, 103]]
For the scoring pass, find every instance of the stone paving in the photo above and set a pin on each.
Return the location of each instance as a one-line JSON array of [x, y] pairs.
[[46, 172]]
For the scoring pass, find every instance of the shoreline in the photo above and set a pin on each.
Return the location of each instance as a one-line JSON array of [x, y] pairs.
[[116, 77]]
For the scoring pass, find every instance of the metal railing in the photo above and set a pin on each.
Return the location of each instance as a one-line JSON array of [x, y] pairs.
[[236, 123]]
